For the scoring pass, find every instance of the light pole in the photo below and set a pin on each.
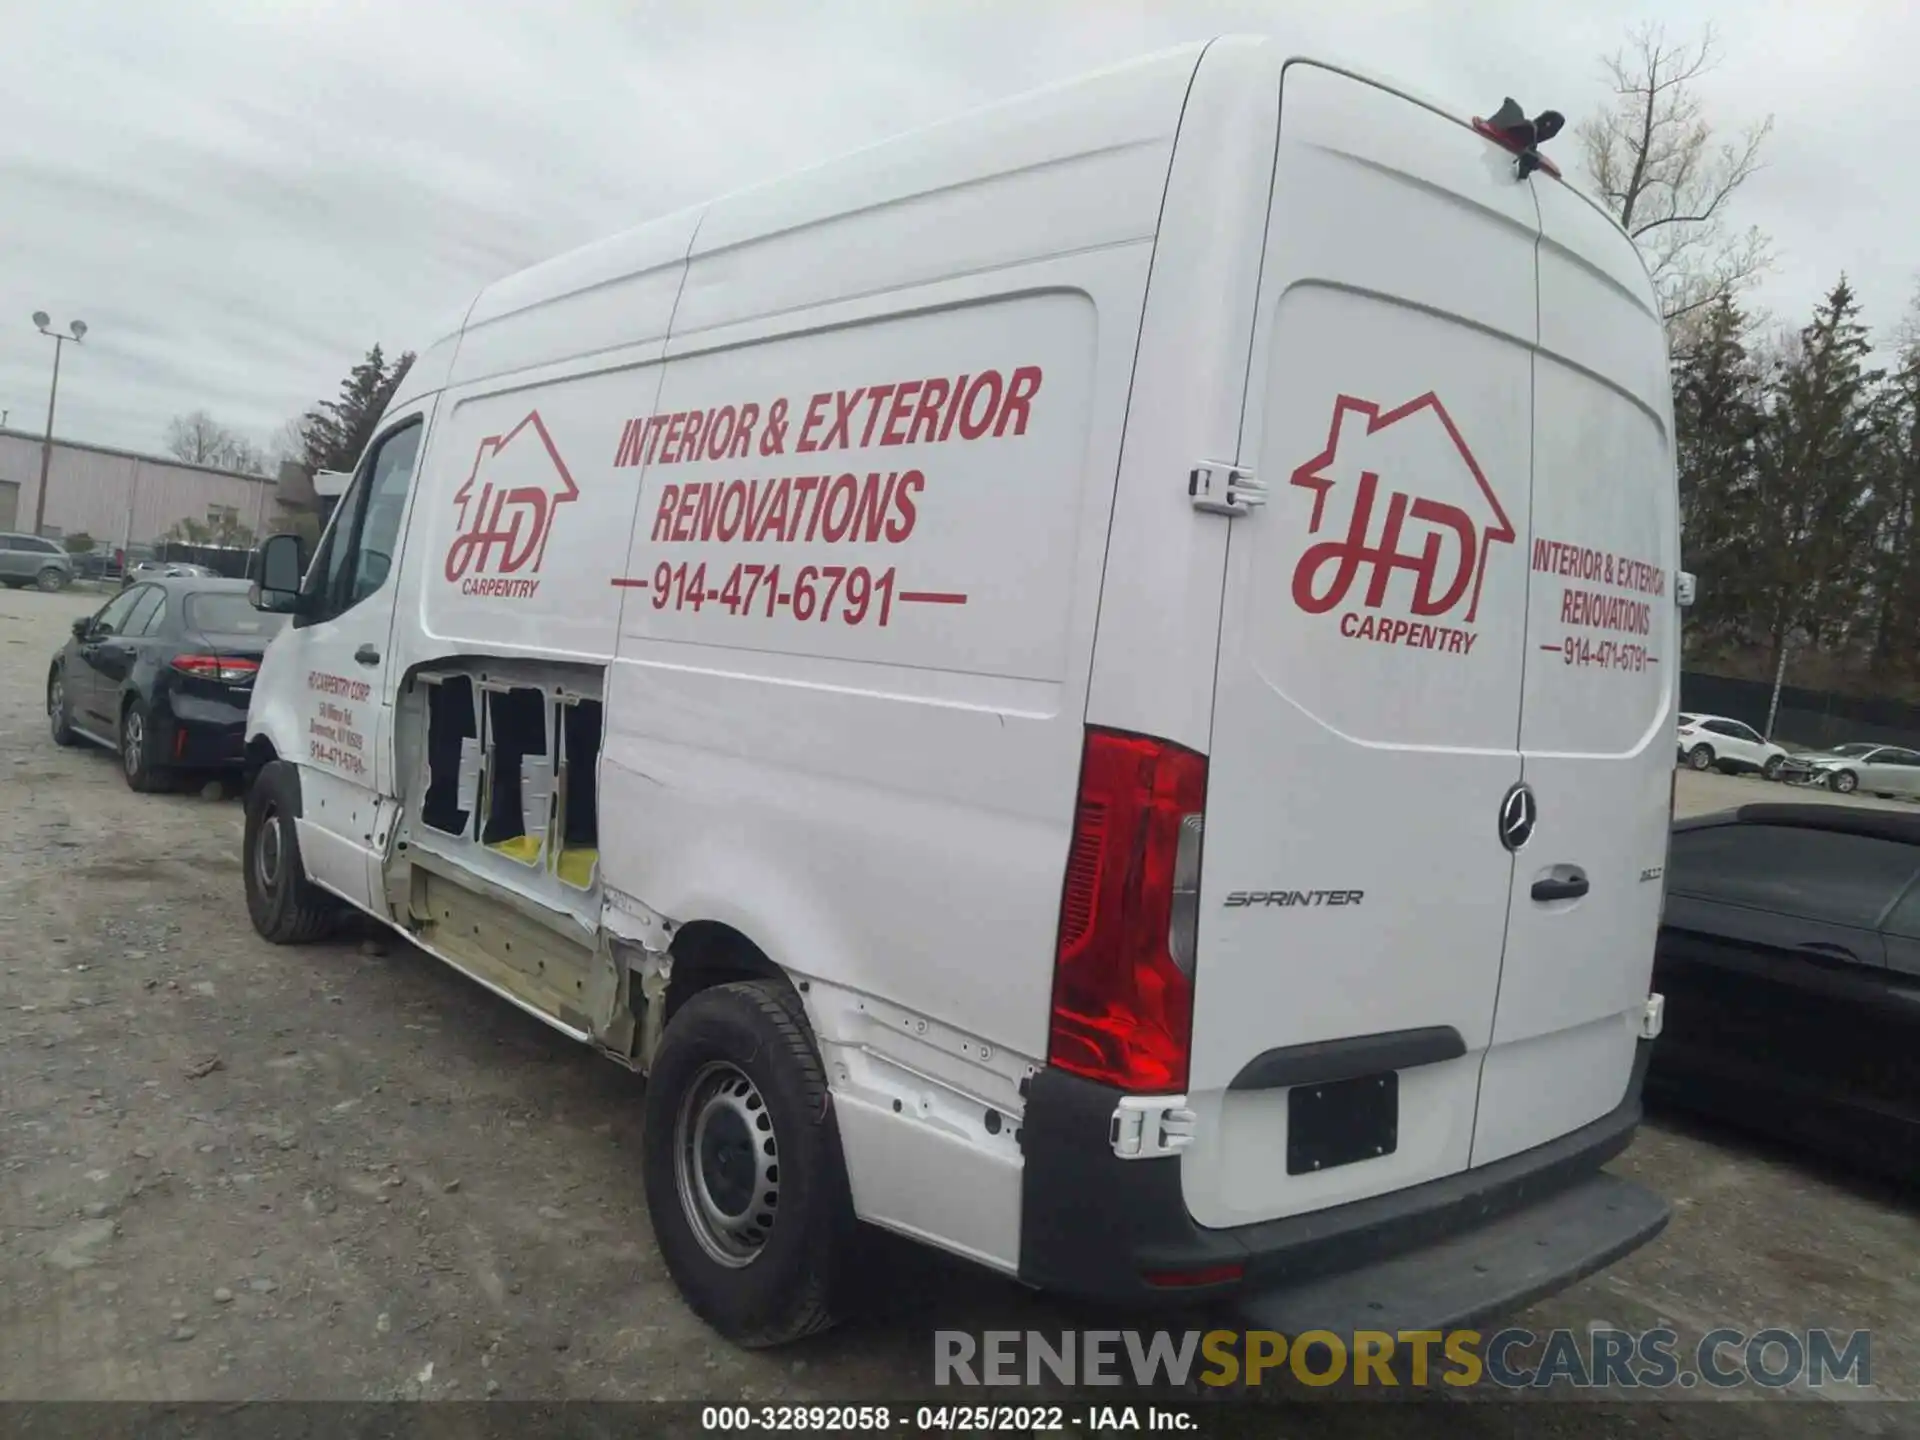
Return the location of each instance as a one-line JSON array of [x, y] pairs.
[[76, 332]]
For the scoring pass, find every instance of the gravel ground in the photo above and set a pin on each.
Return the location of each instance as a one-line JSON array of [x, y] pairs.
[[229, 1171]]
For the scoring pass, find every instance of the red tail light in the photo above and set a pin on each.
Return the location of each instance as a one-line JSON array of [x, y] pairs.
[[217, 667], [1122, 980]]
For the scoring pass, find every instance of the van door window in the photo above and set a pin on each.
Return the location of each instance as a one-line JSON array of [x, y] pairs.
[[357, 556]]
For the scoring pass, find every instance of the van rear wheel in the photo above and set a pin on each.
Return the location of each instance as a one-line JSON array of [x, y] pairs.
[[741, 1163], [285, 906], [1701, 757]]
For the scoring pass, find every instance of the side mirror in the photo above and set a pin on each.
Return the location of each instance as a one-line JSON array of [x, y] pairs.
[[276, 588], [83, 627]]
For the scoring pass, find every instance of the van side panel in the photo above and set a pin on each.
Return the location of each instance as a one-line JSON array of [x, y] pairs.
[[905, 695], [523, 506]]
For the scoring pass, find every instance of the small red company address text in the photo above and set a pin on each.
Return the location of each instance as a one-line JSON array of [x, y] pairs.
[[333, 734], [324, 684], [853, 595]]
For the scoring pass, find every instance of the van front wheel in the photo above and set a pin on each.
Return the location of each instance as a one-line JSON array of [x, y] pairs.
[[741, 1163], [285, 906]]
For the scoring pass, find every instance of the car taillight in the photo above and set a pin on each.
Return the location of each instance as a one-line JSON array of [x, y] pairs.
[[217, 667], [1123, 974]]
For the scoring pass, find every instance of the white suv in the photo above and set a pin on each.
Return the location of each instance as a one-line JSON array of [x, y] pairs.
[[1710, 742]]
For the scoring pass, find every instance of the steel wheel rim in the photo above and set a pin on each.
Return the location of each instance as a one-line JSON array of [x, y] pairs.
[[726, 1164], [56, 701], [133, 739], [267, 852]]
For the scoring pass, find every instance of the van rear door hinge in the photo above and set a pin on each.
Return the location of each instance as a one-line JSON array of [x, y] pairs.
[[1145, 1127], [1217, 488]]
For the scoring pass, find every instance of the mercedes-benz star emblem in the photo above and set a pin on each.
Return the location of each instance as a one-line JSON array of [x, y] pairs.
[[1517, 814]]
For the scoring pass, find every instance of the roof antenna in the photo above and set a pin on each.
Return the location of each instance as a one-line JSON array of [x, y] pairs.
[[1511, 127]]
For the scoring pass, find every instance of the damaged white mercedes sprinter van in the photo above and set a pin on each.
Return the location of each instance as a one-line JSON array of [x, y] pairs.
[[1093, 686]]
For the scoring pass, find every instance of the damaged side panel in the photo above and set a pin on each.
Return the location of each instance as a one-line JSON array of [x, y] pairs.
[[494, 865]]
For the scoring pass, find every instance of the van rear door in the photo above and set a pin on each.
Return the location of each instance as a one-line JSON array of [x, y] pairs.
[[1355, 891], [1601, 655]]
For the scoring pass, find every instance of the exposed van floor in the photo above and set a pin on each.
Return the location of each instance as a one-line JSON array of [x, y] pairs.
[[395, 1185]]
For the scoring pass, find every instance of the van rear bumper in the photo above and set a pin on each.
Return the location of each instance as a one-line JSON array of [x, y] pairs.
[[1440, 1253]]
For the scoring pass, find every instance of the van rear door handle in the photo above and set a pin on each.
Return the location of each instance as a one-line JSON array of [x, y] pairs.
[[1571, 888], [367, 655]]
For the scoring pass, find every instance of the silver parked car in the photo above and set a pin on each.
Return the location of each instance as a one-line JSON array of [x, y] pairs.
[[32, 560], [165, 570], [1876, 769]]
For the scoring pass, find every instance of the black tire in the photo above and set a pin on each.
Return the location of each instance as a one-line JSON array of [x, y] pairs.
[[1843, 782], [51, 578], [139, 750], [1700, 757], [1771, 770], [779, 1280], [285, 907], [57, 718]]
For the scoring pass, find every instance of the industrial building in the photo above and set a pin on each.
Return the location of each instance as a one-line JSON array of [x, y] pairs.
[[119, 497]]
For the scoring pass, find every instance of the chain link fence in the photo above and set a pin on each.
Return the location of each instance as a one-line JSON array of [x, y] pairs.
[[1811, 719]]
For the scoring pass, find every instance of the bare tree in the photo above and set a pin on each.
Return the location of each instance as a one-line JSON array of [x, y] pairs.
[[199, 439], [288, 441], [1656, 163]]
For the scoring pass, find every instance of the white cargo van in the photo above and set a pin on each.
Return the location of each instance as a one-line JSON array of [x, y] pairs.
[[1093, 686]]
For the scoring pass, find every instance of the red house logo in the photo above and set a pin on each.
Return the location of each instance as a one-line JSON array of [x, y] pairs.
[[506, 509], [1407, 499]]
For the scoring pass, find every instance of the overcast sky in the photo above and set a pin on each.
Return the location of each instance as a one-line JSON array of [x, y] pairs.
[[240, 197]]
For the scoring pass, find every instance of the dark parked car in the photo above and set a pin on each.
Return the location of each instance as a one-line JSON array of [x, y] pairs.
[[1789, 957], [162, 674]]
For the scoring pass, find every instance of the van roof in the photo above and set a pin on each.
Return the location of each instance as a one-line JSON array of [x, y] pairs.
[[1136, 102]]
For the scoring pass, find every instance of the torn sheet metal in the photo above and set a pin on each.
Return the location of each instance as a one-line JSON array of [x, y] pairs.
[[629, 919]]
